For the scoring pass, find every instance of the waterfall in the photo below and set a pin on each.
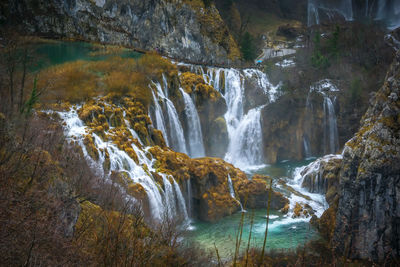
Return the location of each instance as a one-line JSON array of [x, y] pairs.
[[230, 184], [381, 10], [307, 147], [312, 175], [175, 127], [160, 125], [245, 146], [234, 92], [331, 137], [232, 191], [195, 136], [181, 202], [330, 127], [343, 7], [189, 197], [176, 136], [389, 12], [168, 202], [165, 85], [245, 133], [216, 81], [263, 82], [316, 201]]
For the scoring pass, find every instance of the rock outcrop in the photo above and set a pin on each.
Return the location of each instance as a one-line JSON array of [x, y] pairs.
[[368, 215], [212, 198], [181, 29], [322, 175], [286, 123]]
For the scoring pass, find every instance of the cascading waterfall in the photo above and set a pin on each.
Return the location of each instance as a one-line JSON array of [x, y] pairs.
[[245, 146], [316, 201], [244, 130], [330, 127], [169, 198], [195, 136], [234, 91], [168, 202], [176, 135]]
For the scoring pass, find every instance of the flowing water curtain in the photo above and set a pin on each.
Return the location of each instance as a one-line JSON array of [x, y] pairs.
[[195, 136], [331, 142], [173, 135], [168, 201], [327, 89]]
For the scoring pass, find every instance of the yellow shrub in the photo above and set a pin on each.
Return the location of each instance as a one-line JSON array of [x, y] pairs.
[[122, 83], [154, 66], [68, 82]]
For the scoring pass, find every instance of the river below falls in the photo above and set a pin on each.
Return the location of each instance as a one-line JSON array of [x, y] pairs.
[[284, 232]]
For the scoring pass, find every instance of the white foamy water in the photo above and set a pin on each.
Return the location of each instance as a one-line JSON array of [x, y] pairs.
[[168, 201]]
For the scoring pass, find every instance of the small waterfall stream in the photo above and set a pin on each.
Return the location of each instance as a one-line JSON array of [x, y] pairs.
[[181, 202], [327, 89], [232, 192], [331, 142], [189, 197], [307, 147], [159, 123]]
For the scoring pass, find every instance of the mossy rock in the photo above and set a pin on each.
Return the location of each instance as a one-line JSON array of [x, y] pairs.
[[90, 147]]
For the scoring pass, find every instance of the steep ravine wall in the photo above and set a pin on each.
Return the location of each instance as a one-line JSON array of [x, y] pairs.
[[181, 29], [368, 215]]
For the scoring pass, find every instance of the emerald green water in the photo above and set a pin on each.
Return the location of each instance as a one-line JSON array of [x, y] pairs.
[[283, 232], [59, 52], [280, 169]]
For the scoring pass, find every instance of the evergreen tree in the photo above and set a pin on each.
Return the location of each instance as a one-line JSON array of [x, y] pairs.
[[247, 47]]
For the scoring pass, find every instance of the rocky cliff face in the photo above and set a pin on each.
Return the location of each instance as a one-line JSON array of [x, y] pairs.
[[181, 29], [287, 123], [368, 216]]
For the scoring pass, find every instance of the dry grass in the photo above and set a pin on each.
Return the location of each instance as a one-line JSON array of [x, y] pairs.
[[79, 81]]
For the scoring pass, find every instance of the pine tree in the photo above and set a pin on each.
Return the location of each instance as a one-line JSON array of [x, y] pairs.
[[247, 47]]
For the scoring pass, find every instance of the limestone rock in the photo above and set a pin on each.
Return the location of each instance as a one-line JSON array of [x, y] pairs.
[[323, 174], [367, 220], [256, 192], [180, 29]]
